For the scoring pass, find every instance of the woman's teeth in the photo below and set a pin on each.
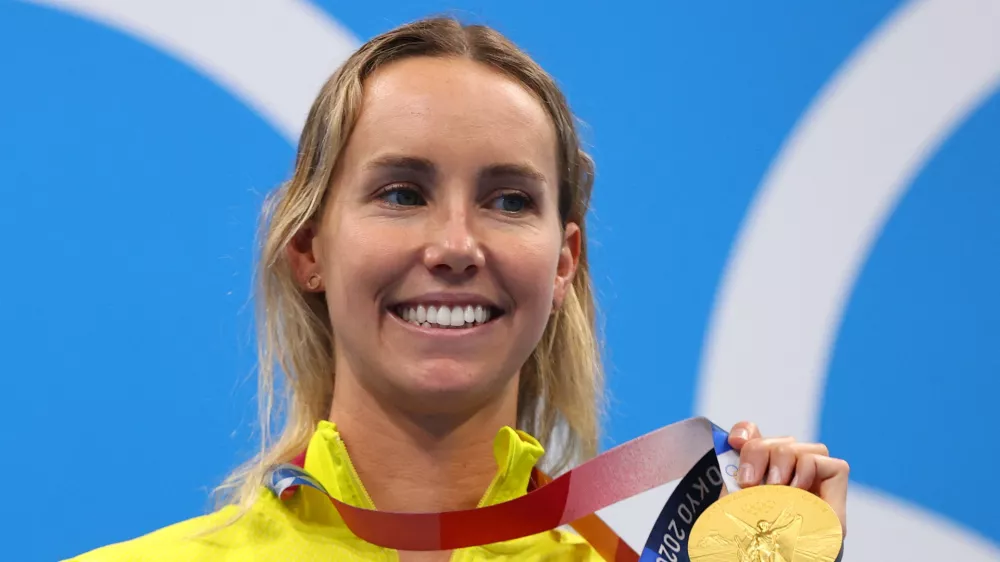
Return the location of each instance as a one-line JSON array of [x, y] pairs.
[[445, 316]]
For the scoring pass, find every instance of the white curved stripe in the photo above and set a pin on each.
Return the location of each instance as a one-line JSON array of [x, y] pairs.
[[274, 55], [811, 227], [884, 529], [826, 199]]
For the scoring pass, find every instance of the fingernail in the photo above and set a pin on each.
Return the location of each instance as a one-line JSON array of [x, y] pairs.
[[741, 434], [773, 475], [795, 481], [746, 475]]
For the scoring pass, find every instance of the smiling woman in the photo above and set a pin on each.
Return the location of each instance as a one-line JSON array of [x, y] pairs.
[[424, 293], [423, 289]]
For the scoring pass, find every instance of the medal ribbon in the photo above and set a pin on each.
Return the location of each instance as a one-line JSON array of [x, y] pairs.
[[694, 451]]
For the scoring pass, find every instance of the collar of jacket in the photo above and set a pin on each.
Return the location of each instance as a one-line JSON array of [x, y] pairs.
[[327, 460]]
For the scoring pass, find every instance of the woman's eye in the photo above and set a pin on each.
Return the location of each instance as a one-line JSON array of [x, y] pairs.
[[512, 203], [402, 197]]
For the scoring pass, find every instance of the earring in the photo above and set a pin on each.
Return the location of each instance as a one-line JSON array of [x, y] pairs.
[[313, 283]]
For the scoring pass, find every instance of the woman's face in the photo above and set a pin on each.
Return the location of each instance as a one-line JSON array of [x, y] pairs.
[[441, 249]]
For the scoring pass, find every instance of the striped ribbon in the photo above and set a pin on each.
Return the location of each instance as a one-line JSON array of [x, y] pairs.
[[694, 451]]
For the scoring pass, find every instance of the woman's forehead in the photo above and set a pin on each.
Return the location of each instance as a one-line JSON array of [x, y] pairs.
[[431, 105]]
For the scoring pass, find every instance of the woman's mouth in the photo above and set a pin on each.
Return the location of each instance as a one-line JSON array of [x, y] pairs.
[[446, 316]]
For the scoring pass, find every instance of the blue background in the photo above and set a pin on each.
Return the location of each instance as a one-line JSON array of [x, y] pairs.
[[130, 186]]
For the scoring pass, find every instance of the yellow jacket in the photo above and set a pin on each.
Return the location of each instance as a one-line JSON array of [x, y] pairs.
[[307, 527]]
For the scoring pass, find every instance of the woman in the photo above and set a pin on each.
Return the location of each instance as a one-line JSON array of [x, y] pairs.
[[424, 289]]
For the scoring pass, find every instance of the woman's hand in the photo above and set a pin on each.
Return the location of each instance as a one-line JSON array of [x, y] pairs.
[[781, 460]]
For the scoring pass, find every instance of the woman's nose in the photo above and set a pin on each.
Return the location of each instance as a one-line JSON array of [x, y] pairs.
[[453, 248]]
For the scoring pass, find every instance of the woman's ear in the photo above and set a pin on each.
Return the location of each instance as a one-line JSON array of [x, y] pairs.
[[569, 259], [302, 253]]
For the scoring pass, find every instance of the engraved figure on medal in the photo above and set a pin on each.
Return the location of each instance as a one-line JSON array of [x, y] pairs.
[[805, 530], [769, 541]]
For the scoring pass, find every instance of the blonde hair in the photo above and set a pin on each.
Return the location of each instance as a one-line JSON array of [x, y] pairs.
[[560, 384]]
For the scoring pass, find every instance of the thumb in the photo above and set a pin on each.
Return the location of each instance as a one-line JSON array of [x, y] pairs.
[[743, 432]]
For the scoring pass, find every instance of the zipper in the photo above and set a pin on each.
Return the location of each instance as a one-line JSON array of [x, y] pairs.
[[353, 471], [489, 490]]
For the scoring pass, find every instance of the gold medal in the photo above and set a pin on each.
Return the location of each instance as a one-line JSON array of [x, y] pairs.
[[767, 524]]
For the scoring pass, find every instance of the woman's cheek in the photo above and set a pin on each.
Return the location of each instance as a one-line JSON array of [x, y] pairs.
[[528, 269]]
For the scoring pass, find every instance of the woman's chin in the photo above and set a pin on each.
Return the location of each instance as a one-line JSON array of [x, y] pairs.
[[449, 385]]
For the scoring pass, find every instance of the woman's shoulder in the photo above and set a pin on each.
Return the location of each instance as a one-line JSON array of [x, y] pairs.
[[179, 541], [266, 531], [229, 535]]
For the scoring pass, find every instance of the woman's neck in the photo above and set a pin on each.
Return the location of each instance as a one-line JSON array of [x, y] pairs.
[[418, 462]]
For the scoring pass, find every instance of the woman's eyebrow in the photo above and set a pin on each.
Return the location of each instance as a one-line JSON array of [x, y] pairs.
[[402, 163], [521, 171]]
